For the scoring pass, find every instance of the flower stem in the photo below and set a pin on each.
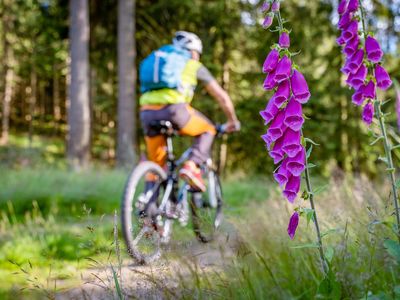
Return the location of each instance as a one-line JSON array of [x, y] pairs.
[[389, 161], [315, 219], [386, 143]]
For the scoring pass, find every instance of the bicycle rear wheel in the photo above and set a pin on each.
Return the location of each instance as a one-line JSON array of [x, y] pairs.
[[206, 209], [142, 223]]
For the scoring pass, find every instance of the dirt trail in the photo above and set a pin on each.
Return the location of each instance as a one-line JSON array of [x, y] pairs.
[[163, 277]]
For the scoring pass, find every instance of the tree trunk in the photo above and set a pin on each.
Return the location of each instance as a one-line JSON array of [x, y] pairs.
[[78, 140], [126, 130], [32, 103], [8, 91]]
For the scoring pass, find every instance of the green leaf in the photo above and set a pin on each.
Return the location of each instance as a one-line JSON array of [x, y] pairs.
[[398, 183], [309, 152], [395, 147], [305, 246], [384, 159], [117, 286], [309, 215], [329, 252], [376, 140], [329, 231], [307, 140], [393, 248], [310, 166], [386, 101]]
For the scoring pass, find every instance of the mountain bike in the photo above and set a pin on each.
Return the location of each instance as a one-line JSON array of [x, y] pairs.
[[154, 198]]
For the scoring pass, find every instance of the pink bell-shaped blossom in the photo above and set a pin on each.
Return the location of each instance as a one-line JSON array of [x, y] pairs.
[[351, 31], [271, 61], [369, 91], [282, 93], [383, 80], [300, 87], [277, 154], [277, 128], [293, 224], [284, 40], [291, 142], [351, 46], [374, 52], [270, 111], [275, 6], [283, 69], [266, 6], [294, 115], [357, 80], [292, 188], [270, 81], [368, 113], [282, 175], [352, 6], [267, 139], [296, 165], [344, 20], [355, 61], [342, 7], [269, 18], [358, 96]]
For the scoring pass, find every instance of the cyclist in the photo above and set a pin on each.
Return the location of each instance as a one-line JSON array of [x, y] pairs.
[[173, 104]]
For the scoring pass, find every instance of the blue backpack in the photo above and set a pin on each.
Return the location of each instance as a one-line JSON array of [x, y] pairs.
[[163, 68]]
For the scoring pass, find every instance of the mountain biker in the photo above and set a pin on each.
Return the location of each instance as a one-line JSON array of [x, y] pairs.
[[173, 104]]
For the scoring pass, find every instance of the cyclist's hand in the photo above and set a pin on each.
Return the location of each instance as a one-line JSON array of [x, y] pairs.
[[232, 126]]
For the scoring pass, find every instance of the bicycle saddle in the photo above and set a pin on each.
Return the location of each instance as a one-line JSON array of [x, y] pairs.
[[162, 126]]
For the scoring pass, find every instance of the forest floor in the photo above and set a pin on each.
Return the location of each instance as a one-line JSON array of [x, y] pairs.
[[163, 278]]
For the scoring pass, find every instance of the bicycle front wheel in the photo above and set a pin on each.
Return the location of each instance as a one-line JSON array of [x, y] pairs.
[[206, 209], [142, 223]]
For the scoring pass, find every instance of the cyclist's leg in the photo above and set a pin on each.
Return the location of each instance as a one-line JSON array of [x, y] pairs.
[[200, 127]]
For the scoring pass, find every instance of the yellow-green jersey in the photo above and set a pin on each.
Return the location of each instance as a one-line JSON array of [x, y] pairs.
[[193, 72]]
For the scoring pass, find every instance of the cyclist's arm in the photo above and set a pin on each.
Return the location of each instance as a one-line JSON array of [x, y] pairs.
[[223, 99]]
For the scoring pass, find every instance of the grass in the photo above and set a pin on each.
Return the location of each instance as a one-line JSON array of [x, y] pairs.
[[55, 225]]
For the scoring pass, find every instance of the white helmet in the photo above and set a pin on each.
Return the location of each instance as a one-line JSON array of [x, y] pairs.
[[188, 40]]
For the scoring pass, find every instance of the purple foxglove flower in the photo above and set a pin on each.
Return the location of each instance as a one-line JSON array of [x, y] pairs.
[[368, 113], [353, 5], [270, 81], [282, 175], [267, 140], [293, 223], [270, 111], [369, 91], [344, 20], [277, 153], [284, 40], [283, 69], [269, 18], [271, 61], [266, 6], [282, 93], [292, 188], [355, 61], [357, 97], [357, 80], [345, 69], [275, 6], [340, 40], [291, 142], [277, 128], [374, 52], [351, 31], [296, 165], [383, 80], [342, 7], [299, 87], [351, 46], [294, 115]]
